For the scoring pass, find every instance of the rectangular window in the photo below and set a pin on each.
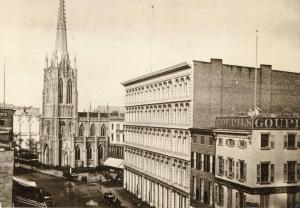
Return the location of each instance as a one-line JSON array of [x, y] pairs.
[[220, 195], [291, 141], [291, 171], [118, 137], [206, 163], [112, 137], [198, 161], [221, 165], [194, 186], [192, 159], [242, 144], [211, 140], [230, 167], [202, 140], [229, 200], [298, 172], [242, 170], [220, 141], [264, 172], [194, 139], [264, 201], [118, 126], [112, 126], [264, 141], [230, 142]]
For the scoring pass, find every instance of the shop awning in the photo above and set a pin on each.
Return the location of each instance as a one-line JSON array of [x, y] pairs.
[[114, 162]]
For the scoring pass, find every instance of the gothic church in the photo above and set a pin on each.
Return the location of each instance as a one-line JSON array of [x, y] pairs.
[[68, 137]]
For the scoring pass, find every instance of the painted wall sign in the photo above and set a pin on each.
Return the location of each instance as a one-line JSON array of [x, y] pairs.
[[257, 123]]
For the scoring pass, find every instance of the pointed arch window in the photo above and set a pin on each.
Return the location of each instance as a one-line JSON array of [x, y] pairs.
[[103, 130], [89, 151], [47, 91], [77, 153], [92, 130], [60, 91], [69, 92], [81, 130]]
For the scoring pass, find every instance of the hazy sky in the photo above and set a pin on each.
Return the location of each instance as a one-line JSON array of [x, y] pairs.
[[112, 38]]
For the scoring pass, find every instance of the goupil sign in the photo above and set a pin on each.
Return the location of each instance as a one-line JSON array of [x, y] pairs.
[[257, 123]]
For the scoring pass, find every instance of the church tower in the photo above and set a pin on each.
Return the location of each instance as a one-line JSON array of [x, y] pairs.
[[60, 101]]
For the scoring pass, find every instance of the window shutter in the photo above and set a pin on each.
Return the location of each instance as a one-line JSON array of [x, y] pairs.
[[258, 173], [226, 142], [217, 165], [285, 172], [233, 168], [285, 141], [298, 141], [216, 193], [222, 196], [272, 173], [245, 172], [298, 171], [272, 141], [226, 167], [237, 170]]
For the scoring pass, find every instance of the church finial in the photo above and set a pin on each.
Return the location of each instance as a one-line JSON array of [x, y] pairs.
[[61, 30], [46, 60]]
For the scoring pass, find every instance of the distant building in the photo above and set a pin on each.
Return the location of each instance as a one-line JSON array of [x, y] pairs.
[[6, 157], [27, 127], [116, 135]]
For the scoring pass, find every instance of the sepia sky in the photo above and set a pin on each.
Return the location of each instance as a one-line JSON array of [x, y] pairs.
[[112, 40]]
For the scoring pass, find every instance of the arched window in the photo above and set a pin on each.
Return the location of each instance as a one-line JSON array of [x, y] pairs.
[[77, 153], [100, 152], [69, 92], [92, 130], [60, 91], [61, 128], [89, 151], [48, 128], [47, 91], [81, 130], [103, 130]]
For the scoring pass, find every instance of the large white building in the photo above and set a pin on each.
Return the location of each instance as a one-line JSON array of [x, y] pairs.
[[157, 139], [257, 162]]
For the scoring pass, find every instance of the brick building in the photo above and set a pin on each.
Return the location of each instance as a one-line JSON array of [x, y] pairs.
[[202, 168], [157, 101]]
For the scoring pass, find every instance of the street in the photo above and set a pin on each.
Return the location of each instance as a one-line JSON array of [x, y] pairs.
[[80, 194], [61, 196]]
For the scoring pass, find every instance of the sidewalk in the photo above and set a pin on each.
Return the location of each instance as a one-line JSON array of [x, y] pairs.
[[127, 199]]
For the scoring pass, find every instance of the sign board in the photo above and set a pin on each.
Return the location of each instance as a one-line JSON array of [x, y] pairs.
[[257, 123]]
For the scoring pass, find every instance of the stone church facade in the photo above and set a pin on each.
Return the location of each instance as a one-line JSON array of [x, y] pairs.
[[68, 137]]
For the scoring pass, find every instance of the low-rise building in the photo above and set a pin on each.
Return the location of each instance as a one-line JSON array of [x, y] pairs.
[[202, 168], [257, 162], [116, 135], [6, 157]]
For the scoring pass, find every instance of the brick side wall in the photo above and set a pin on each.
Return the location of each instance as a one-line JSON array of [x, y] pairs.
[[6, 178], [221, 89]]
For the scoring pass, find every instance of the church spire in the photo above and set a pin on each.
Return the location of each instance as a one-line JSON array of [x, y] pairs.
[[61, 31]]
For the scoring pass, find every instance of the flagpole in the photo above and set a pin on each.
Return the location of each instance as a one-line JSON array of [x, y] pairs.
[[255, 73], [4, 85]]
